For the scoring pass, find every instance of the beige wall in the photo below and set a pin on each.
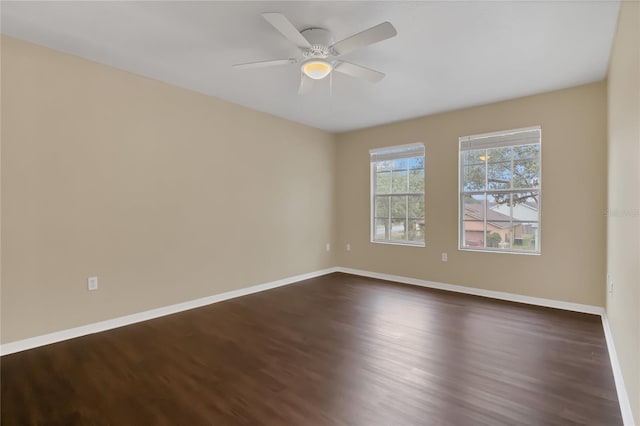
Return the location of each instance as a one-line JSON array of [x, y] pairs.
[[572, 265], [623, 224], [166, 195]]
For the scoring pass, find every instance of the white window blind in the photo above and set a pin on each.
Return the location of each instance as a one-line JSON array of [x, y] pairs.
[[397, 152], [516, 137]]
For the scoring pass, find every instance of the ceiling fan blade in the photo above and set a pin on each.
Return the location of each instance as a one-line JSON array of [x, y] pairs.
[[262, 64], [372, 35], [282, 24], [306, 84], [359, 71]]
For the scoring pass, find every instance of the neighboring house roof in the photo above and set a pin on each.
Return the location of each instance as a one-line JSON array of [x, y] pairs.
[[522, 212], [497, 219]]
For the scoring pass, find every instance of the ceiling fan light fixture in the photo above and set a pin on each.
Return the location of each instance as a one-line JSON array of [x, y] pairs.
[[316, 69]]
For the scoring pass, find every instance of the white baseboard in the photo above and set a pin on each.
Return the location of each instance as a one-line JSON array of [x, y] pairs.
[[58, 336], [623, 398], [549, 303]]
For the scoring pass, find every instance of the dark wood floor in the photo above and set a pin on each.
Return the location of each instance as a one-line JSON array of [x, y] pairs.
[[335, 350]]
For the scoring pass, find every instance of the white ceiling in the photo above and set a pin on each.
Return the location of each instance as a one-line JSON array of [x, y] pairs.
[[447, 55]]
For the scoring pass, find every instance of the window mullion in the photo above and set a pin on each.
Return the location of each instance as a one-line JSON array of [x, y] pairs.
[[406, 217], [511, 230], [374, 198], [406, 206], [486, 196]]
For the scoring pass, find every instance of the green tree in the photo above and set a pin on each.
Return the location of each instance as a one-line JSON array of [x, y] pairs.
[[498, 169], [493, 239]]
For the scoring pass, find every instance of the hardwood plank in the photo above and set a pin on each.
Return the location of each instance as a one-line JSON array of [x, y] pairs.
[[333, 350]]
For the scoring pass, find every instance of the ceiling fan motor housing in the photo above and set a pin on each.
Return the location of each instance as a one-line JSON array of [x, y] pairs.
[[320, 40]]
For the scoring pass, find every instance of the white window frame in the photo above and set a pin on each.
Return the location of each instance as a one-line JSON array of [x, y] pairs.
[[393, 153], [505, 138]]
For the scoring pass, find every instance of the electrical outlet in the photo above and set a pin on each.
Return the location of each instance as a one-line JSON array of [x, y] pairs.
[[444, 257], [92, 283], [328, 247], [610, 284], [348, 247]]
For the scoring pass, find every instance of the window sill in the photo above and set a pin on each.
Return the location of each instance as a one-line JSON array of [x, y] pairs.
[[395, 243], [526, 253]]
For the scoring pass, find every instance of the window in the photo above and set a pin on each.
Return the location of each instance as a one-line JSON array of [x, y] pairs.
[[500, 191], [397, 195]]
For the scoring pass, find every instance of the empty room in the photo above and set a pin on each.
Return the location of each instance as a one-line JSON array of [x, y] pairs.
[[372, 213]]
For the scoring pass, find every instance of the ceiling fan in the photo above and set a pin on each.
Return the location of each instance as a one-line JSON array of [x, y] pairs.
[[319, 52]]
